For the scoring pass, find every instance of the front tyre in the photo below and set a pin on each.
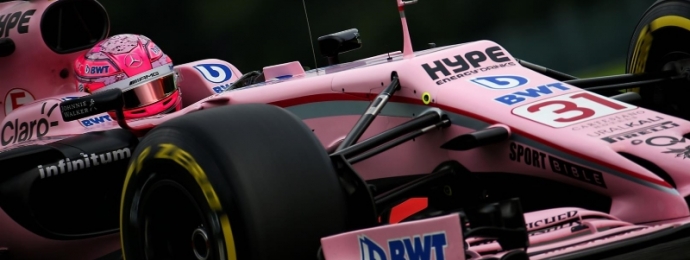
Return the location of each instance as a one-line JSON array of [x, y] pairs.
[[238, 182], [662, 37]]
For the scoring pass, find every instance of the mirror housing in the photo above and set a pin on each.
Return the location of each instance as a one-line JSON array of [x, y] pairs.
[[341, 42]]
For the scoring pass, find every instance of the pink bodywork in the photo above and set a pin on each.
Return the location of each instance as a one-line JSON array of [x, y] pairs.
[[28, 74], [544, 137], [440, 236]]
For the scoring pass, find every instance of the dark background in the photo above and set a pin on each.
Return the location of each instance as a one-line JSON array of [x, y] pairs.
[[581, 37]]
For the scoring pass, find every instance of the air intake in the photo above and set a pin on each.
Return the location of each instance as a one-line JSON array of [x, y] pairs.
[[68, 26]]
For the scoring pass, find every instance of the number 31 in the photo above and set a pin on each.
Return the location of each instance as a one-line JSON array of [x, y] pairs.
[[570, 106], [570, 109]]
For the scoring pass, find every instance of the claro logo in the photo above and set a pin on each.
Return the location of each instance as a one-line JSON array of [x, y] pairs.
[[16, 131]]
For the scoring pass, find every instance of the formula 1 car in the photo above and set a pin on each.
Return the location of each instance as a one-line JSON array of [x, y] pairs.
[[453, 152]]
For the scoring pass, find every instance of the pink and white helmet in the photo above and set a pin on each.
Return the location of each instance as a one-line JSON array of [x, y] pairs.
[[137, 66]]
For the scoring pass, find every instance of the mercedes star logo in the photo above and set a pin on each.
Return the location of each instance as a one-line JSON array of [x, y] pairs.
[[132, 61]]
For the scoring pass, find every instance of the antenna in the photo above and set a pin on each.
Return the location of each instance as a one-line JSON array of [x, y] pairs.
[[408, 53], [313, 52]]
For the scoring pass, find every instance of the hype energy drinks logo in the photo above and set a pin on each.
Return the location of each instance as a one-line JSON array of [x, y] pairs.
[[425, 247]]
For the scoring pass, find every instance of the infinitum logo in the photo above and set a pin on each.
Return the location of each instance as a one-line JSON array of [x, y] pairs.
[[69, 165]]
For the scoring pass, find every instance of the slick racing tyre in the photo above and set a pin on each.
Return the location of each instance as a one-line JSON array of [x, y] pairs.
[[245, 181], [662, 36]]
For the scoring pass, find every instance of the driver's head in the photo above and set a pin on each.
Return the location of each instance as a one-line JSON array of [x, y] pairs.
[[137, 66]]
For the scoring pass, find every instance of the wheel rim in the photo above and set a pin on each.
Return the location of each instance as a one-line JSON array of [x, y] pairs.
[[670, 99], [201, 244], [174, 226], [660, 43]]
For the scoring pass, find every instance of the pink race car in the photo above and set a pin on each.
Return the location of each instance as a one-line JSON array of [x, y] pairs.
[[454, 152]]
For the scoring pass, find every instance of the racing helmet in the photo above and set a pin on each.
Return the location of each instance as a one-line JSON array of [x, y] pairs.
[[137, 66]]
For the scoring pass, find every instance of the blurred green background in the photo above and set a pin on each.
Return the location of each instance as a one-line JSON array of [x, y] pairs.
[[581, 37]]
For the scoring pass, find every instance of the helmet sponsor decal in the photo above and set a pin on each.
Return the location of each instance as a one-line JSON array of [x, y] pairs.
[[133, 61], [96, 69], [138, 79], [145, 77]]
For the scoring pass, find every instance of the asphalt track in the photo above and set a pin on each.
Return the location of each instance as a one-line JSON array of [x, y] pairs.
[[677, 249]]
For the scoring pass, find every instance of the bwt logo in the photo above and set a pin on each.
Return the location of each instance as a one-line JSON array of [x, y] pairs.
[[96, 69], [500, 82], [221, 88], [417, 248], [216, 73], [96, 120], [155, 49], [530, 93]]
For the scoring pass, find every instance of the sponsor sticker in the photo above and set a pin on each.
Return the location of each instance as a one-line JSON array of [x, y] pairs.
[[215, 73], [18, 131], [538, 159], [660, 141], [145, 77], [680, 151], [572, 225], [569, 109], [531, 93], [611, 121], [466, 64], [500, 82], [85, 161], [95, 120], [626, 123], [96, 69], [427, 247], [651, 129], [76, 110], [553, 219], [19, 20], [221, 88]]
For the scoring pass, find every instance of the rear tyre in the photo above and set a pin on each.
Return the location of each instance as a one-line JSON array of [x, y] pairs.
[[662, 36], [238, 182]]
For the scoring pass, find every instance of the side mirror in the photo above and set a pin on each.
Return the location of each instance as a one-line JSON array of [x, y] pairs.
[[341, 42], [101, 102]]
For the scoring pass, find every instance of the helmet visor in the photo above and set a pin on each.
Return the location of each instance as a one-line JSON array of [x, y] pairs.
[[150, 92]]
